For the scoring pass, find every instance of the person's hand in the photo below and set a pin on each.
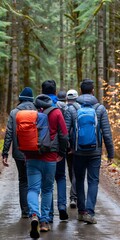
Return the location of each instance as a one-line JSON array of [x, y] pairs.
[[59, 158], [5, 163], [109, 161]]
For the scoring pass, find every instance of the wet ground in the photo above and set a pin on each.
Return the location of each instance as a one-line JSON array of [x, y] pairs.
[[13, 227]]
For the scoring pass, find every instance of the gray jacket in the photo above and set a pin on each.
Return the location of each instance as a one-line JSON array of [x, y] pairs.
[[10, 135], [103, 121]]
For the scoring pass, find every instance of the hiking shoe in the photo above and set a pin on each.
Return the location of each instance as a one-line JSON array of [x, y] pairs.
[[73, 203], [45, 227], [34, 233], [63, 215], [89, 219], [81, 216]]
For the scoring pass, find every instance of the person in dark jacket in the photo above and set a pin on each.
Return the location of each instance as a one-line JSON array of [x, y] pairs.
[[61, 103], [91, 160], [49, 88], [70, 117], [25, 102], [41, 168]]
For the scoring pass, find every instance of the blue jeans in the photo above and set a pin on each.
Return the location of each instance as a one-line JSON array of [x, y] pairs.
[[23, 186], [41, 176], [92, 165], [60, 178]]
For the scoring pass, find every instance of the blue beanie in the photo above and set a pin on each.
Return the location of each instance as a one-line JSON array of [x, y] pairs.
[[26, 95]]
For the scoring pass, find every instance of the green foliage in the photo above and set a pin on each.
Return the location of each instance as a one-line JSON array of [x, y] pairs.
[[1, 144], [3, 35], [87, 11]]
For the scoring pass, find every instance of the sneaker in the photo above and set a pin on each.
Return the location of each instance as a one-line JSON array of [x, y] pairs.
[[63, 215], [81, 216], [45, 227], [34, 233], [89, 219], [73, 203]]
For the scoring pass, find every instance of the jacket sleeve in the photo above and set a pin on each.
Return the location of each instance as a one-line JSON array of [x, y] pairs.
[[62, 135], [106, 133], [8, 137]]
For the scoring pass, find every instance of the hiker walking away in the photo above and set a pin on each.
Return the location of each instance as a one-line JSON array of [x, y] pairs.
[[41, 168], [90, 130], [49, 88], [25, 102], [73, 106], [61, 103]]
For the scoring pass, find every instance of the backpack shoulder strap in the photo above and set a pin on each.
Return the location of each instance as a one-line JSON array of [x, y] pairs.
[[96, 106], [76, 105], [48, 110]]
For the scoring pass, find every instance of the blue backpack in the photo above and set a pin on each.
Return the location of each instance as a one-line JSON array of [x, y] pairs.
[[86, 136]]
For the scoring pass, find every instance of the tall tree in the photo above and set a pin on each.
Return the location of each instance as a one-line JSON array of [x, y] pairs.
[[100, 55], [14, 46]]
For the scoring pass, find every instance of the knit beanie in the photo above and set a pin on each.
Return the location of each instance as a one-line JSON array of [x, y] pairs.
[[26, 95], [43, 101], [61, 95]]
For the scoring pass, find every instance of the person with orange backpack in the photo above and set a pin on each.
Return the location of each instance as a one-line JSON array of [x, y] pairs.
[[41, 166], [25, 102]]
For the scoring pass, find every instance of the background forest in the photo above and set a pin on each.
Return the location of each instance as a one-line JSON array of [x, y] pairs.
[[64, 40]]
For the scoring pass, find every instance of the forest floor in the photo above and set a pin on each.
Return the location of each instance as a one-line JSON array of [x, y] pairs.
[[109, 178]]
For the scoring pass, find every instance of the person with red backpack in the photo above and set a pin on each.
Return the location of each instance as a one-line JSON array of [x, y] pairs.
[[25, 102], [41, 167]]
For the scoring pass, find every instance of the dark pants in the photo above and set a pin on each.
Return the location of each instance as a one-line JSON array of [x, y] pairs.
[[60, 178], [23, 186], [91, 164], [71, 176]]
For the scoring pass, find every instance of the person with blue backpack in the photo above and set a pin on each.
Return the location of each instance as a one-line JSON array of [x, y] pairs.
[[91, 126]]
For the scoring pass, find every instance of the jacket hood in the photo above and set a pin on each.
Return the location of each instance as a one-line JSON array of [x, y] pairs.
[[87, 98], [43, 101], [61, 105]]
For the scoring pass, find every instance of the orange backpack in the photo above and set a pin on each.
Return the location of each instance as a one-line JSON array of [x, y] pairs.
[[32, 129]]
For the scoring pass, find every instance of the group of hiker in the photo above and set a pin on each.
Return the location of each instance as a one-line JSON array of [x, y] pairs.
[[67, 127]]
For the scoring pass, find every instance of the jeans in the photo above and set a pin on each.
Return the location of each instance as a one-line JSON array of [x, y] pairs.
[[60, 178], [92, 165], [73, 195], [41, 176], [23, 186]]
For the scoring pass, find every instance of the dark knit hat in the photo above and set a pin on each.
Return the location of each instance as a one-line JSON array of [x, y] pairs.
[[61, 95], [26, 95], [43, 101]]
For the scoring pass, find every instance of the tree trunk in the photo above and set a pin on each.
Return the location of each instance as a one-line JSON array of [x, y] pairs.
[[100, 56], [111, 59], [14, 59], [26, 59], [61, 47]]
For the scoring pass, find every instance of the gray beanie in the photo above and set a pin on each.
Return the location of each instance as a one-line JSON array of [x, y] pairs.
[[43, 101]]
